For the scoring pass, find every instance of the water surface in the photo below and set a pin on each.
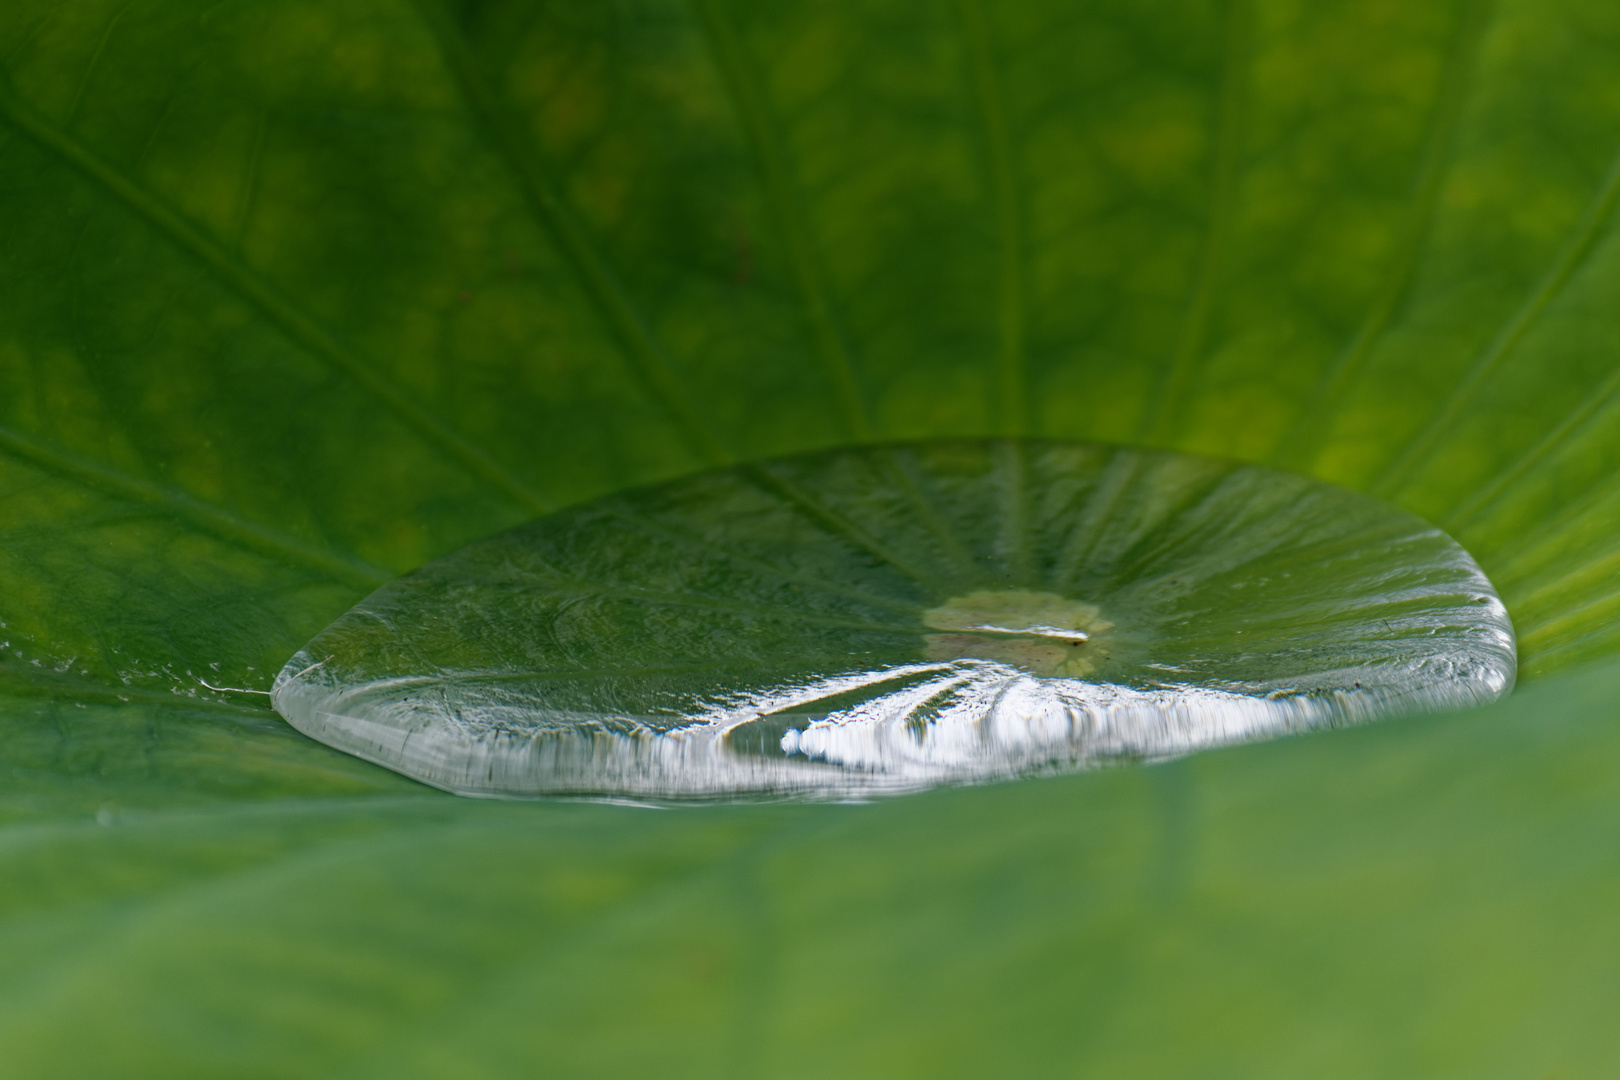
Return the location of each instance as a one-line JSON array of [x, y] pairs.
[[877, 620]]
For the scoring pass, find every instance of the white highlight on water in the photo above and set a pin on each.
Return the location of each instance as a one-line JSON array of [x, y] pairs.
[[1224, 603]]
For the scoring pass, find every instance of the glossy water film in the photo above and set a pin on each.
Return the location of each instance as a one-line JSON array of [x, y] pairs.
[[885, 619]]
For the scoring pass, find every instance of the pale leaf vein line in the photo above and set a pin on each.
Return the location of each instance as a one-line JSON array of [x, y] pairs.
[[636, 519], [26, 681], [94, 62], [649, 360], [703, 601], [512, 973], [1016, 524], [1601, 607], [1096, 514], [900, 464], [1571, 255], [1162, 415], [836, 523], [1527, 595], [1590, 405], [1325, 399], [1579, 418], [1533, 546], [204, 516], [1599, 612], [1013, 374], [252, 176], [749, 100], [269, 301]]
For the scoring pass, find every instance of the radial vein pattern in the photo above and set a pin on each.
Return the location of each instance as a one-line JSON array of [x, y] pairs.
[[819, 641]]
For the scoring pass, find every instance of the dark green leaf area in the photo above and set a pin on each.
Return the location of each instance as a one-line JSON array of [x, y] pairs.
[[901, 615]]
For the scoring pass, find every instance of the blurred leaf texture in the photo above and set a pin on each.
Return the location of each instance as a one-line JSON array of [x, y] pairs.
[[298, 294]]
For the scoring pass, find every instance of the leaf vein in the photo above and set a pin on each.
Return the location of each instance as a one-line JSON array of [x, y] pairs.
[[95, 59], [1012, 369], [749, 101], [1325, 399], [203, 516], [1165, 409], [649, 360], [277, 308], [1571, 254]]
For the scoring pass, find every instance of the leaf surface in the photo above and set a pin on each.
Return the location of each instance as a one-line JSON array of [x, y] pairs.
[[299, 295]]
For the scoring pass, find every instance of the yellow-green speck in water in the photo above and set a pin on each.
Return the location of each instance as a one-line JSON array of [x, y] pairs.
[[882, 619], [1038, 632]]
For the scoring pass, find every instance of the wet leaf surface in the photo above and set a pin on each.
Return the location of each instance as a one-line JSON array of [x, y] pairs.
[[765, 630], [299, 296]]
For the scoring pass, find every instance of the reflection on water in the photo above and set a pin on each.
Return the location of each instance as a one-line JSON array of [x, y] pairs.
[[1038, 632], [885, 619]]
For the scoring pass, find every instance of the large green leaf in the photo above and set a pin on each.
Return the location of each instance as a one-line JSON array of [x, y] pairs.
[[1431, 897], [298, 294]]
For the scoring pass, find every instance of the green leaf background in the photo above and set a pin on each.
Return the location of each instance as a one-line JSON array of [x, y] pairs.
[[298, 294]]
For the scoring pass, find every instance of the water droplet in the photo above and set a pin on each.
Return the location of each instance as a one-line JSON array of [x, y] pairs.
[[874, 620]]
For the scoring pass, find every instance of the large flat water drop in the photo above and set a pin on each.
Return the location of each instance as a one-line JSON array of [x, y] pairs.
[[883, 619]]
